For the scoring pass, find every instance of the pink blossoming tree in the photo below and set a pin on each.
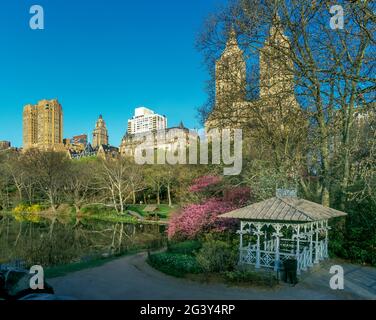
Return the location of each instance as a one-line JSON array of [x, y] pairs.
[[204, 182], [196, 219]]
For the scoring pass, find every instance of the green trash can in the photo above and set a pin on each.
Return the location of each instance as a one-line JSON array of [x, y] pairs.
[[290, 266]]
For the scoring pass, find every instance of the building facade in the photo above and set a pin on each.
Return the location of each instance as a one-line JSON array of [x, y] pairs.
[[166, 139], [79, 146], [43, 125], [77, 143], [146, 120], [230, 70], [100, 133], [276, 67], [102, 152], [80, 139], [276, 82], [5, 145]]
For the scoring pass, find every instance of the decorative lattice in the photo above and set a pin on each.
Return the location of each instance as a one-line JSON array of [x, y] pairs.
[[248, 257], [267, 259]]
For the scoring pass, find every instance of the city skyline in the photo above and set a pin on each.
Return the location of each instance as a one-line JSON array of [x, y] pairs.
[[155, 63], [89, 136]]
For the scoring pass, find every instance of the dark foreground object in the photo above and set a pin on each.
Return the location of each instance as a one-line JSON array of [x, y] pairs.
[[15, 285], [290, 267]]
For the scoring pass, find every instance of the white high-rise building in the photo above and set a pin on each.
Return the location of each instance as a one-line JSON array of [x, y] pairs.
[[146, 120]]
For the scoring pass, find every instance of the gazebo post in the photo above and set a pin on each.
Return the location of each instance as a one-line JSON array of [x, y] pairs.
[[298, 248], [326, 239], [241, 238], [277, 234], [298, 241], [241, 242], [265, 240], [317, 260], [241, 234], [258, 253], [311, 246]]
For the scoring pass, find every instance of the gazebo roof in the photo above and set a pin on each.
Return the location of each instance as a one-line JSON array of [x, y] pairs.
[[285, 209]]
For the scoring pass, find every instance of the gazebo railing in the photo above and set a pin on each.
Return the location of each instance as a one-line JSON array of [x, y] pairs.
[[269, 245], [284, 244], [304, 259], [267, 259], [326, 252], [322, 251], [248, 255]]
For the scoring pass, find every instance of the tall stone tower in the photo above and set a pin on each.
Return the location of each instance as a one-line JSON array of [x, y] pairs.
[[30, 126], [230, 84], [230, 74], [100, 133], [276, 65], [276, 85], [43, 125]]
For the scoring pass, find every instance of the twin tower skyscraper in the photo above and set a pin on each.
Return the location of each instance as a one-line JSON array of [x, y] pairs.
[[276, 85], [43, 127]]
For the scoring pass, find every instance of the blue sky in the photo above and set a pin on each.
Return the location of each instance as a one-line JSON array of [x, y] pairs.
[[102, 57]]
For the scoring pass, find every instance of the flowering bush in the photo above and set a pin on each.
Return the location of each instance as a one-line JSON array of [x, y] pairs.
[[27, 212], [238, 196], [22, 208], [198, 218], [204, 182]]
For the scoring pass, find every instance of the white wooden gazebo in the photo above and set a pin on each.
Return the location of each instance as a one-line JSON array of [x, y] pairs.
[[281, 228]]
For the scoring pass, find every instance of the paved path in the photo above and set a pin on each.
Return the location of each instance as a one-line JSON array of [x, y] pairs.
[[131, 278]]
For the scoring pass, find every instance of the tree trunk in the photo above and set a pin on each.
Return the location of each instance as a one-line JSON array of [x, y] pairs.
[[325, 197], [121, 203], [325, 167], [345, 180], [113, 237], [19, 189], [158, 194], [52, 203], [346, 154], [52, 227], [169, 195], [77, 208], [120, 237], [114, 200], [19, 235]]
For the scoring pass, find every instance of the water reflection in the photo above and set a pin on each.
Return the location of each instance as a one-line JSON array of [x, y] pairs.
[[57, 240]]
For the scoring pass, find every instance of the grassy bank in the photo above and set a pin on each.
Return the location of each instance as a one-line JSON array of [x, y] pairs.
[[115, 218], [161, 215], [163, 211]]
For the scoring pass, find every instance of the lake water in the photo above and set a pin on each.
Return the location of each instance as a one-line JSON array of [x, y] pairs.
[[60, 240]]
